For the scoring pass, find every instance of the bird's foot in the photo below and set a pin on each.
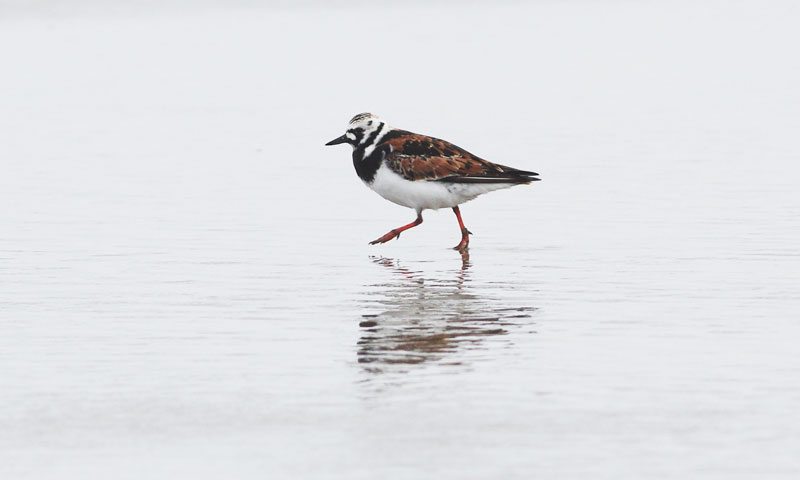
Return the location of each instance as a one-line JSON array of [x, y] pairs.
[[463, 245], [389, 236]]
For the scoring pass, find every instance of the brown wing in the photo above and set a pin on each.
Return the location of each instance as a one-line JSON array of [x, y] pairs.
[[419, 157]]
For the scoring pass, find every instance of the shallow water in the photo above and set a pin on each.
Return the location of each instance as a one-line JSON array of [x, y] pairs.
[[187, 288]]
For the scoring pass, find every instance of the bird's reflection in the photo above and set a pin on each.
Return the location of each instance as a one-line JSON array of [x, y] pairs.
[[417, 317]]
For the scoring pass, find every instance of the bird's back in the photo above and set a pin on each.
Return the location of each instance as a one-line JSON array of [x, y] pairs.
[[418, 157]]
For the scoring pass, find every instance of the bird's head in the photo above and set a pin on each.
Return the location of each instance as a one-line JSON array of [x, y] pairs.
[[361, 130]]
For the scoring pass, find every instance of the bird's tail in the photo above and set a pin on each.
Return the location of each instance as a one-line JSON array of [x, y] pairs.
[[507, 175]]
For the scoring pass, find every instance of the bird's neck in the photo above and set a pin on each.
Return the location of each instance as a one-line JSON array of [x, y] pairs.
[[368, 155], [368, 161]]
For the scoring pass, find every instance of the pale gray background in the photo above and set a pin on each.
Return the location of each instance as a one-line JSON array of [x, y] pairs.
[[185, 276]]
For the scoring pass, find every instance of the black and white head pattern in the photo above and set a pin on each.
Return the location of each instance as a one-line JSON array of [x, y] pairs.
[[365, 131]]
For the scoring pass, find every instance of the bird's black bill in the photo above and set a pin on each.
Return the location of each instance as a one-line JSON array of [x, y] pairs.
[[337, 141]]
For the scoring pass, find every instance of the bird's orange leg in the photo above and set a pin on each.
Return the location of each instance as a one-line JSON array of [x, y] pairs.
[[395, 233], [464, 232]]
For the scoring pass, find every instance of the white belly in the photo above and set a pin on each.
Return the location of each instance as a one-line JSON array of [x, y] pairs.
[[427, 195]]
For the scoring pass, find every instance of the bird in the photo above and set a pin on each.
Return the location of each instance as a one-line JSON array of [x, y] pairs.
[[422, 172]]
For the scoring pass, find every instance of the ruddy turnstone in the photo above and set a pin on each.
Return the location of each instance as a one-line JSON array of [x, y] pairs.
[[421, 172]]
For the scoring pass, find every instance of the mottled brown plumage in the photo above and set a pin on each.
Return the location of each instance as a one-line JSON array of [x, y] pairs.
[[420, 157]]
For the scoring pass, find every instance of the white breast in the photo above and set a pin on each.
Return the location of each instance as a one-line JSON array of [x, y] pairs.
[[426, 195]]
